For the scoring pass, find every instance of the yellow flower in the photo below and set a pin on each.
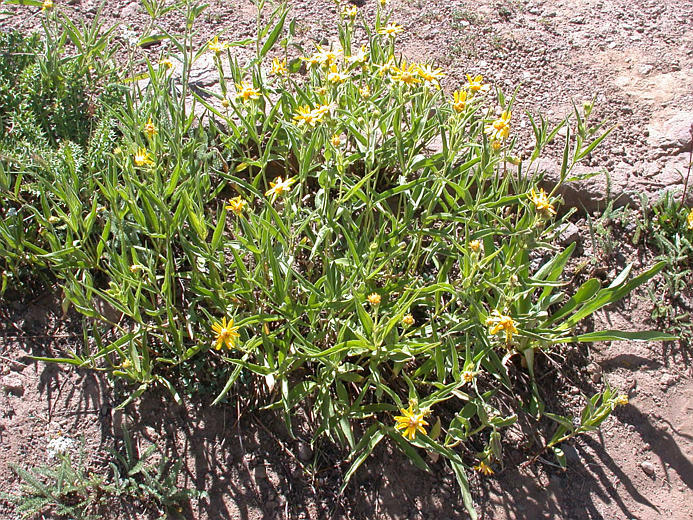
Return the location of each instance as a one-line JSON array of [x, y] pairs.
[[336, 140], [361, 56], [475, 245], [312, 60], [496, 145], [499, 322], [409, 423], [476, 84], [279, 67], [459, 100], [216, 46], [541, 201], [279, 186], [334, 76], [236, 205], [350, 10], [327, 56], [391, 29], [468, 376], [227, 334], [405, 75], [483, 468], [374, 299], [365, 91], [142, 157], [689, 218], [150, 129], [166, 63], [307, 116], [47, 5], [388, 67], [383, 3], [321, 110], [500, 129], [408, 320], [245, 91], [430, 75], [621, 400]]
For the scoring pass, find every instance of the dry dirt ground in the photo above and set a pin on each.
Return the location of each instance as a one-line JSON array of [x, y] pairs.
[[636, 58]]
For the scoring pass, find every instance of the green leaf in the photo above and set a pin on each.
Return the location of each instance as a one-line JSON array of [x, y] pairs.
[[617, 335]]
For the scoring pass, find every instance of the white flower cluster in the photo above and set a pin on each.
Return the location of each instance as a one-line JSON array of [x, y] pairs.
[[59, 445]]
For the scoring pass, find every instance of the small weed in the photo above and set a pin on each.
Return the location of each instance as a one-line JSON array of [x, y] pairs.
[[70, 489]]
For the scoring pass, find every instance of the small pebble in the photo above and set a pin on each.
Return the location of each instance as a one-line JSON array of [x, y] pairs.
[[648, 468]]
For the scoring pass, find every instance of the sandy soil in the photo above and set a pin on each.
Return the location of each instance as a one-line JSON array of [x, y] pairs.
[[636, 58]]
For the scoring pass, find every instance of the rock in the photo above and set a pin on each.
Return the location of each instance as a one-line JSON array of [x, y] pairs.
[[648, 468], [305, 452], [568, 234], [130, 11], [12, 384], [595, 372], [645, 69], [667, 379], [260, 472], [592, 188], [571, 454], [673, 135]]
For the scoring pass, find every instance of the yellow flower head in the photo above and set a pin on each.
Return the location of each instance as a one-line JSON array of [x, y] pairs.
[[216, 46], [496, 145], [336, 140], [468, 376], [483, 468], [499, 130], [334, 76], [408, 320], [430, 75], [383, 3], [475, 245], [166, 63], [689, 218], [306, 116], [279, 67], [407, 75], [476, 84], [409, 422], [227, 334], [322, 110], [150, 129], [47, 5], [391, 29], [365, 91], [621, 400], [541, 201], [279, 186], [327, 56], [374, 299], [142, 157], [388, 67], [245, 91], [350, 10], [499, 322], [361, 56], [312, 60], [236, 204], [459, 100]]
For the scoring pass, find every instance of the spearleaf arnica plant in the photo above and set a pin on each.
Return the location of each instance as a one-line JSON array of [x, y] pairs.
[[331, 230]]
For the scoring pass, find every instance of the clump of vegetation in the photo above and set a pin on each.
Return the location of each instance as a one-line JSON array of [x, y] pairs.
[[68, 488], [335, 232]]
